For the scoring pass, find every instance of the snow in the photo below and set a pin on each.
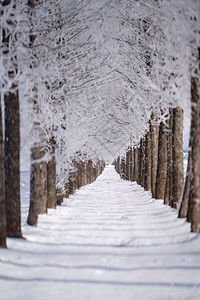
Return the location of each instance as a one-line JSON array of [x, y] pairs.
[[110, 240]]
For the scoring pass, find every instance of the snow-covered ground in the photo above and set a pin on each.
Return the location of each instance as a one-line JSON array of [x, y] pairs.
[[110, 240]]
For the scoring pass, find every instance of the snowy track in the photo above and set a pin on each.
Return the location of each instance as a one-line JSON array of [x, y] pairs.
[[110, 240]]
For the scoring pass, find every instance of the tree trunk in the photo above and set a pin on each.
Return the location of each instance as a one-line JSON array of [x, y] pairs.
[[12, 135], [135, 170], [80, 173], [139, 164], [12, 165], [66, 194], [84, 174], [177, 153], [169, 179], [195, 224], [132, 165], [147, 185], [122, 168], [118, 165], [72, 181], [3, 229], [154, 133], [38, 179], [162, 163], [51, 176], [59, 196], [185, 198], [142, 147], [127, 177]]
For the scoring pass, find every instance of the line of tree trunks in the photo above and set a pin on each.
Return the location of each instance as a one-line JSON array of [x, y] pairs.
[[84, 173], [157, 162]]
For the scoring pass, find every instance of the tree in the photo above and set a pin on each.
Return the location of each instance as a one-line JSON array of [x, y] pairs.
[[162, 163], [38, 177], [177, 154], [12, 127], [154, 133]]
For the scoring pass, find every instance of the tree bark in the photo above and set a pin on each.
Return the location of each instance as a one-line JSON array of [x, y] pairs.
[[12, 165], [135, 170], [177, 152], [169, 179], [51, 176], [139, 163], [147, 185], [154, 133], [195, 224], [127, 176], [162, 163], [142, 147], [38, 179], [3, 229], [118, 165], [84, 174], [122, 173], [132, 165], [66, 194], [59, 196], [12, 137]]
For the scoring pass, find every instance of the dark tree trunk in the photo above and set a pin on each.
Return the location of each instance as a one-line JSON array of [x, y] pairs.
[[135, 170], [38, 179], [51, 176], [195, 196], [66, 194], [72, 181], [132, 165], [89, 172], [59, 196], [177, 153], [139, 164], [3, 229], [12, 165], [122, 174], [12, 140], [169, 180], [142, 147], [118, 165], [154, 133], [127, 177], [71, 191], [147, 185], [80, 174], [84, 174], [162, 163]]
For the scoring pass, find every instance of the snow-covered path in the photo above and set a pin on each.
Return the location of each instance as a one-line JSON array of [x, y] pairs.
[[110, 240]]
